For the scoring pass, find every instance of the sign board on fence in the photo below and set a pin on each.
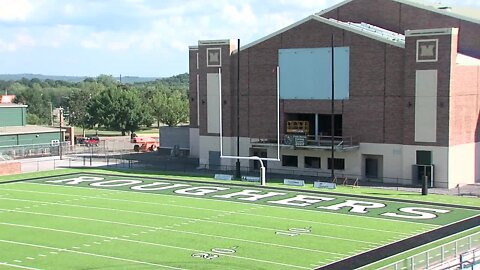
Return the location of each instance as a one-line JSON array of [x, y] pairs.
[[251, 178], [226, 177], [294, 182], [318, 184]]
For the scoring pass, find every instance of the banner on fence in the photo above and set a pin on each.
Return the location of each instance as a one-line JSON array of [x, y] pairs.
[[251, 178], [294, 182], [318, 184], [226, 177]]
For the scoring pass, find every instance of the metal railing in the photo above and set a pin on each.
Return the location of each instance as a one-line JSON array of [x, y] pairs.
[[340, 142], [31, 150], [463, 253]]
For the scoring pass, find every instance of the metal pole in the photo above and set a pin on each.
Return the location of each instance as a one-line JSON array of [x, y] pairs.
[[60, 141], [332, 163], [237, 164]]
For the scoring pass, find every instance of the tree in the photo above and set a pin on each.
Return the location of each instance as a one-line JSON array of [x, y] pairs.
[[38, 103], [117, 108], [78, 102], [170, 107]]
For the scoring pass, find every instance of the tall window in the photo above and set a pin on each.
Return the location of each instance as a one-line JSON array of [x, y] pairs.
[[312, 162], [338, 164], [289, 161]]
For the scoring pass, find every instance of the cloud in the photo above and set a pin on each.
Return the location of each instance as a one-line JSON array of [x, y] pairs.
[[15, 10]]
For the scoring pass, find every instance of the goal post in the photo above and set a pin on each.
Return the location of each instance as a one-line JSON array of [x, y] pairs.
[[277, 158]]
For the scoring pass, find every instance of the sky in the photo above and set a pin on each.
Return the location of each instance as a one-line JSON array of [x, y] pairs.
[[147, 38]]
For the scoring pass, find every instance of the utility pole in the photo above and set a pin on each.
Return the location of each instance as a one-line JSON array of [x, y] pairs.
[[332, 163], [237, 164], [60, 125]]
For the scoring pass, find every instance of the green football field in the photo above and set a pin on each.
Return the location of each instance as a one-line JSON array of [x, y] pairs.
[[95, 221]]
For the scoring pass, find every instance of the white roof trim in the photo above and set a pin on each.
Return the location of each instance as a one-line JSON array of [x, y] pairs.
[[439, 11], [274, 33], [432, 32], [214, 42], [326, 21], [414, 4], [193, 48]]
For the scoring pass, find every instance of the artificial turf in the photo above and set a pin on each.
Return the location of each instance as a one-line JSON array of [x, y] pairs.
[[45, 225]]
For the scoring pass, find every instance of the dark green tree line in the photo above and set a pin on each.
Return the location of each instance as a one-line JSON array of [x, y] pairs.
[[103, 102]]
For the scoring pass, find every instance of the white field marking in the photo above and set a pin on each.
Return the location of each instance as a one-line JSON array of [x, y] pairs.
[[17, 261], [226, 201], [419, 246], [184, 232], [247, 214], [18, 266], [42, 255], [137, 242], [89, 254], [30, 258], [215, 222]]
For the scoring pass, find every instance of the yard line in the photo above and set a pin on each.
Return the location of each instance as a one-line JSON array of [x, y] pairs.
[[234, 202], [132, 241], [223, 211], [89, 254], [193, 219], [179, 231], [18, 266]]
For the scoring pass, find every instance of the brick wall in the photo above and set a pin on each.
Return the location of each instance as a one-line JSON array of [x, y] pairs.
[[464, 106], [7, 168], [374, 111], [443, 67]]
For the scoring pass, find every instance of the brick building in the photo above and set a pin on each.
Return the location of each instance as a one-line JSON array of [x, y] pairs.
[[407, 83]]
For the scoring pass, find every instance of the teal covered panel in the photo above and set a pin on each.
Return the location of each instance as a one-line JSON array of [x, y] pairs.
[[12, 116], [306, 73]]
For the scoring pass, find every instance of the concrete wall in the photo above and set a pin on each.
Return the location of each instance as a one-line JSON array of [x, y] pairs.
[[194, 138], [463, 164]]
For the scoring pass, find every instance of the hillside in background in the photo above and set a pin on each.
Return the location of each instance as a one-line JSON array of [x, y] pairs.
[[73, 79]]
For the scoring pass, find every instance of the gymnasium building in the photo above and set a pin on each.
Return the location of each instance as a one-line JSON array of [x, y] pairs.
[[406, 94]]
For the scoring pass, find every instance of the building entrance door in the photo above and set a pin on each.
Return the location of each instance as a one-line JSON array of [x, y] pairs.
[[371, 168]]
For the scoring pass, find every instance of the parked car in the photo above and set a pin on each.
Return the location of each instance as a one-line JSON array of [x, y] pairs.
[[87, 141]]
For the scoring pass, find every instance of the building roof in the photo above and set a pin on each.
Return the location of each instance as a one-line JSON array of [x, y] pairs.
[[28, 129], [12, 105], [363, 29], [470, 14]]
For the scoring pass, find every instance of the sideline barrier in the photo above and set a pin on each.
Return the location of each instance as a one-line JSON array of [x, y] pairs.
[[225, 177], [318, 184], [251, 178], [294, 182]]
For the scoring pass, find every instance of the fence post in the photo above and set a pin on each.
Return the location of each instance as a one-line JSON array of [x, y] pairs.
[[412, 262], [427, 260], [442, 251], [456, 248], [54, 164]]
